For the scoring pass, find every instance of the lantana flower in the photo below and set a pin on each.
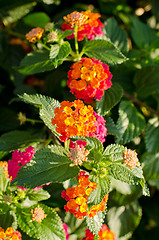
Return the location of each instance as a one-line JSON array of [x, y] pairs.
[[131, 158], [38, 214], [88, 24], [35, 34], [10, 233], [88, 79], [77, 198], [18, 160], [104, 234], [4, 165], [78, 154], [77, 119]]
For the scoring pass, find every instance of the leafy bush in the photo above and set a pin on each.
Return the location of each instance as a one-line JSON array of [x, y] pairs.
[[79, 120]]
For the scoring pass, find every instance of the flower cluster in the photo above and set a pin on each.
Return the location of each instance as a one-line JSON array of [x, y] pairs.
[[130, 158], [10, 233], [76, 119], [38, 214], [78, 154], [88, 24], [4, 166], [35, 34], [101, 131], [88, 79], [77, 197], [18, 160], [104, 234]]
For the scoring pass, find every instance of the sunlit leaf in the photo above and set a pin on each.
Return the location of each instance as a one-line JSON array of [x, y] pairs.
[[105, 51]]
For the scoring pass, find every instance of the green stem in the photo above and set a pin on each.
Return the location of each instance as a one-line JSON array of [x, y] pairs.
[[26, 214], [140, 103], [47, 142], [67, 143], [33, 120], [76, 42], [46, 47]]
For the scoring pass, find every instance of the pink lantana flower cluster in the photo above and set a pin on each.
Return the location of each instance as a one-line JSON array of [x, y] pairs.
[[88, 79], [18, 160], [88, 25], [101, 130]]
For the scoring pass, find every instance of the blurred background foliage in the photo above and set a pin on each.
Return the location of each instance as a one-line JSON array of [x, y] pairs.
[[133, 26]]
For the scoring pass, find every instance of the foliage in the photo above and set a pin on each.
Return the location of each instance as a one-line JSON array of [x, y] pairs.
[[33, 89]]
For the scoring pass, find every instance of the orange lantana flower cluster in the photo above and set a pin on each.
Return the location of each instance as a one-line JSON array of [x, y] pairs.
[[10, 234], [88, 79], [4, 165], [131, 158], [34, 34], [88, 24], [77, 198], [74, 119]]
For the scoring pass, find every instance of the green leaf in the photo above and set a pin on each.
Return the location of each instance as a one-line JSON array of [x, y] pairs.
[[147, 81], [152, 136], [116, 34], [36, 62], [142, 34], [64, 51], [17, 13], [50, 228], [123, 220], [4, 208], [95, 223], [38, 19], [103, 188], [112, 129], [8, 219], [38, 195], [57, 2], [76, 226], [47, 106], [154, 183], [110, 98], [150, 164], [8, 4], [2, 154], [130, 122], [3, 181], [155, 8], [92, 143], [66, 33], [49, 164], [123, 173], [16, 139], [105, 51], [54, 51], [114, 152]]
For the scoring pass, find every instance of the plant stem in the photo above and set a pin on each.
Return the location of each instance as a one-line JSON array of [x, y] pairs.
[[67, 143], [46, 47], [140, 103], [33, 120], [76, 42]]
